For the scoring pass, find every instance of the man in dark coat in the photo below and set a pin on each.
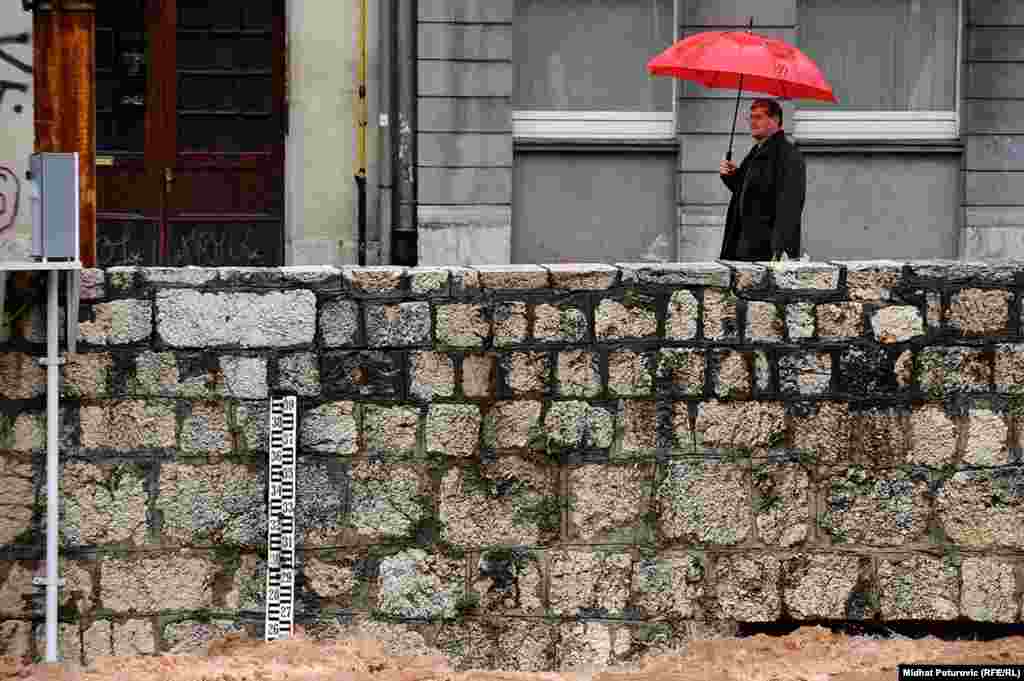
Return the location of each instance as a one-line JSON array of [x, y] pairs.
[[768, 190]]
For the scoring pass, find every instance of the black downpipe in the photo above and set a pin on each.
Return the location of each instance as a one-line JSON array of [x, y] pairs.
[[361, 194], [395, 134]]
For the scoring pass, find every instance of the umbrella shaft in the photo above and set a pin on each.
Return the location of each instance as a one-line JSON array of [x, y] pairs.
[[735, 115]]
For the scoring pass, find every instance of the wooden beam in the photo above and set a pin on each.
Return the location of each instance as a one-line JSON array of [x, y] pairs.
[[64, 85]]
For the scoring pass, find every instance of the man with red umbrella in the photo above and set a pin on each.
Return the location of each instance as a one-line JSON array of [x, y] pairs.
[[768, 190]]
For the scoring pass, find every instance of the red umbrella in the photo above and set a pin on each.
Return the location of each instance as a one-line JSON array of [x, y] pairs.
[[743, 60]]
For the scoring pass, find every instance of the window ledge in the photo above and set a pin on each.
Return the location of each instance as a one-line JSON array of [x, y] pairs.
[[598, 145], [885, 146]]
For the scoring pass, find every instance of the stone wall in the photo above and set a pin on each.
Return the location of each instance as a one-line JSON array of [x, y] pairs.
[[526, 467]]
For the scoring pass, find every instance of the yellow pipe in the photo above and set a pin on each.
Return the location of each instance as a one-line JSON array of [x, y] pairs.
[[363, 111]]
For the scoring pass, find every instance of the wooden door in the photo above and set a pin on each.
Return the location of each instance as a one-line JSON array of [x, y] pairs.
[[190, 132]]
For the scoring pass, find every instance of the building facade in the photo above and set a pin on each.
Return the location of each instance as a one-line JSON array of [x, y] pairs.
[[266, 132]]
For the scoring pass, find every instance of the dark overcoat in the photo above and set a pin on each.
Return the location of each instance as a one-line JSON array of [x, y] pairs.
[[768, 221]]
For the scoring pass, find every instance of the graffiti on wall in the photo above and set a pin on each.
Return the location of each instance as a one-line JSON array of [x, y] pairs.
[[15, 68], [15, 77]]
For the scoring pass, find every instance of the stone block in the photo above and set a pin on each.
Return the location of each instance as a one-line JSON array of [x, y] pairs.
[[731, 374], [608, 503], [764, 324], [86, 375], [578, 425], [897, 323], [982, 509], [579, 374], [453, 429], [118, 322], [965, 272], [589, 584], [322, 508], [179, 581], [15, 637], [429, 281], [104, 638], [21, 377], [840, 321], [248, 277], [478, 376], [509, 581], [980, 312], [249, 427], [509, 501], [467, 643], [795, 274], [881, 436], [465, 280], [632, 317], [510, 323], [587, 647], [865, 371], [933, 310], [747, 588], [192, 319], [782, 503], [731, 425], [903, 369], [17, 496], [339, 581], [989, 590], [505, 277], [704, 502], [582, 277], [942, 371], [512, 424], [462, 325], [822, 432], [683, 310], [720, 320], [525, 646], [933, 436], [1009, 367], [560, 324], [385, 498], [669, 586], [800, 321], [680, 371], [887, 507], [372, 374], [918, 588], [103, 504], [157, 374], [193, 637], [205, 431], [373, 281], [629, 373], [639, 423], [128, 425], [316, 277], [299, 373], [827, 586], [247, 589], [245, 378], [415, 584], [390, 431], [189, 277], [805, 373], [748, 275], [432, 374], [987, 438], [339, 323], [92, 284], [873, 280], [216, 504], [525, 373], [396, 325], [676, 274]]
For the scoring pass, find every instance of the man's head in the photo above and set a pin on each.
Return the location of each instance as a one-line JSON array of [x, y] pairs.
[[765, 118]]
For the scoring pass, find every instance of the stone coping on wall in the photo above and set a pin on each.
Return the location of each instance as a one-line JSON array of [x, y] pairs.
[[530, 467]]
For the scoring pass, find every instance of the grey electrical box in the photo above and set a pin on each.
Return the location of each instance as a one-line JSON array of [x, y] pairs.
[[53, 195]]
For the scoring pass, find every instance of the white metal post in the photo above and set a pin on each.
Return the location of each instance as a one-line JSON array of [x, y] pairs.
[[52, 472]]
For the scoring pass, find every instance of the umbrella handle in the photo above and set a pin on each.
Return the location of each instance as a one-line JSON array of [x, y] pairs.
[[735, 115]]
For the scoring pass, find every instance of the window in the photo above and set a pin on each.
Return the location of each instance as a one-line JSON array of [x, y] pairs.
[[893, 66], [582, 73]]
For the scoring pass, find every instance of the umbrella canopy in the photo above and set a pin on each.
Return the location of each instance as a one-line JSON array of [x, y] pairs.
[[743, 61]]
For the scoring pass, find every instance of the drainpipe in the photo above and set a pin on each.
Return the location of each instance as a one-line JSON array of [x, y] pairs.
[[403, 131], [361, 121]]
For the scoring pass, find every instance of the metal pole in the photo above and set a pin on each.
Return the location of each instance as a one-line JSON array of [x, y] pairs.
[[52, 417]]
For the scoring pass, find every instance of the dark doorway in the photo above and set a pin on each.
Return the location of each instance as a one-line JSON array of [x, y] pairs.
[[190, 131]]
